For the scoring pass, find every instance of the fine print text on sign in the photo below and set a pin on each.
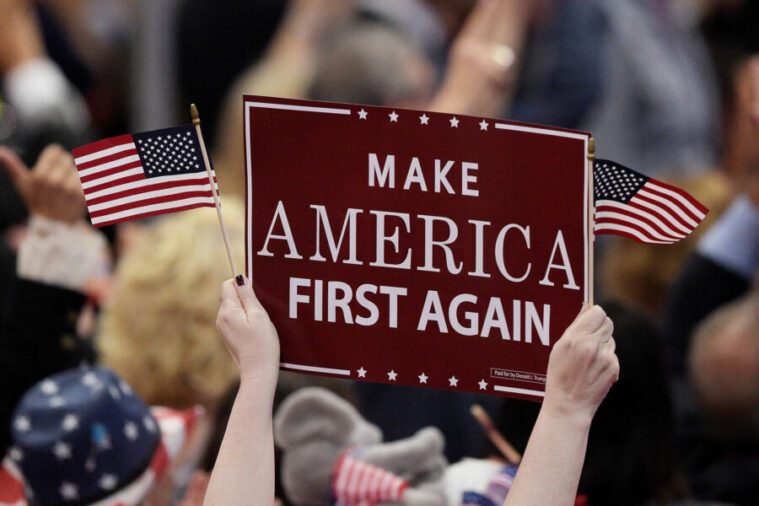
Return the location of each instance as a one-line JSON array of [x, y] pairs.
[[416, 248]]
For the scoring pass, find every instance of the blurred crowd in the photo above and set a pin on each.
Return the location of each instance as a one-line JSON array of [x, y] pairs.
[[667, 87]]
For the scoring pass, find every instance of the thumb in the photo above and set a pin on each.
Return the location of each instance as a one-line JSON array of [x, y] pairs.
[[16, 169]]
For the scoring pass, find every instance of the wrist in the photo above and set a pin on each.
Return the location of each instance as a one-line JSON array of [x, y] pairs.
[[567, 411]]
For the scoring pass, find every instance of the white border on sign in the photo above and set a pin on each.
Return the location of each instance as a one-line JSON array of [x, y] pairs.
[[349, 112], [311, 368], [523, 391]]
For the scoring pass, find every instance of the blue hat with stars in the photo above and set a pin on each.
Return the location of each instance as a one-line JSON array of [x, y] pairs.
[[81, 435]]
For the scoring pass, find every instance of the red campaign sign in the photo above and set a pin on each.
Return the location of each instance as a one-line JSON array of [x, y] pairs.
[[416, 248]]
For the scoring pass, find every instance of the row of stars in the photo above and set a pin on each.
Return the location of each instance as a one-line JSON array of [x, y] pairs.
[[453, 381], [423, 119]]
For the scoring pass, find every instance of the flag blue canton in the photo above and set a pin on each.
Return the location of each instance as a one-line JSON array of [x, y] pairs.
[[170, 151], [615, 182]]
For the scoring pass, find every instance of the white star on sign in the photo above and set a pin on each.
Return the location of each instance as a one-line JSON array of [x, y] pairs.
[[70, 422], [483, 384], [424, 119], [362, 114], [130, 431], [361, 372], [392, 375], [393, 117], [107, 482], [484, 125], [149, 423], [68, 491], [62, 451], [22, 424], [423, 378], [454, 122], [48, 387], [453, 381]]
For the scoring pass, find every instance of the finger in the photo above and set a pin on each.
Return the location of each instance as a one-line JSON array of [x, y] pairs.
[[506, 21], [228, 298], [610, 346], [16, 169], [589, 320], [606, 330], [478, 23], [46, 162], [246, 295]]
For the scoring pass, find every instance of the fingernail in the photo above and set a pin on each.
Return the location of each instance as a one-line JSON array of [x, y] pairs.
[[240, 279]]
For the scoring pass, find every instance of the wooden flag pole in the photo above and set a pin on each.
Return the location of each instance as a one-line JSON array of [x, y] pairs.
[[591, 216], [500, 442], [206, 160]]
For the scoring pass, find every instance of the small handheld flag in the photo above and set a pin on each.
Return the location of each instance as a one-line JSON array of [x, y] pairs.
[[144, 174], [150, 173], [642, 208]]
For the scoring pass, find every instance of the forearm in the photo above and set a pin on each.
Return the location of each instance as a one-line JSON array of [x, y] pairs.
[[550, 470], [244, 470]]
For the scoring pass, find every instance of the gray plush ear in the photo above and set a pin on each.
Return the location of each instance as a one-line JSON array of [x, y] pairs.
[[314, 413]]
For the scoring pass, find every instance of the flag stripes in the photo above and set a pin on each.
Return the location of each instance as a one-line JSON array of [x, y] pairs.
[[140, 175], [630, 204], [359, 483]]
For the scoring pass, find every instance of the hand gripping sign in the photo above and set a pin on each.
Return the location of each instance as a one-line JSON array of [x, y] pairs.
[[416, 248]]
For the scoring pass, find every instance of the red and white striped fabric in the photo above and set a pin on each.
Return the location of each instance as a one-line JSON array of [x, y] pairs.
[[357, 483], [144, 174], [176, 426], [636, 206]]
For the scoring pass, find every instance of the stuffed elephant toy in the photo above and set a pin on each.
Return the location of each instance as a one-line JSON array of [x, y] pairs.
[[331, 455]]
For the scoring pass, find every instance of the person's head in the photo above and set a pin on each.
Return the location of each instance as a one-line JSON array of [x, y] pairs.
[[630, 457], [724, 368], [370, 63], [83, 436], [158, 331]]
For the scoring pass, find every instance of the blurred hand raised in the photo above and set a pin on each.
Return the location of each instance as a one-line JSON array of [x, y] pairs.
[[51, 189]]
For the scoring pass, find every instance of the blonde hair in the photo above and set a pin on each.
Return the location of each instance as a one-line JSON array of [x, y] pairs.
[[158, 331]]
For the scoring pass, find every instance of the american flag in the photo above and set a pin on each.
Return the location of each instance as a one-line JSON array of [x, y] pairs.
[[143, 174], [356, 483], [636, 206]]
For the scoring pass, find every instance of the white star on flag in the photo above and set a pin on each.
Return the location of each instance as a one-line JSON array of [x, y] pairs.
[[484, 125], [454, 122], [125, 388], [62, 451], [362, 114], [361, 372], [453, 381], [22, 424], [424, 119], [423, 378], [70, 422], [392, 375], [149, 423], [68, 491], [130, 431], [57, 402], [48, 387], [107, 482], [114, 392], [393, 117], [90, 379], [483, 384]]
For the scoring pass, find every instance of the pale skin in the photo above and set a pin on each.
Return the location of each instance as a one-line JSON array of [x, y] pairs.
[[581, 370]]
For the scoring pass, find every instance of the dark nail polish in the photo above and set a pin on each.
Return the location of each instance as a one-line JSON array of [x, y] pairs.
[[240, 280]]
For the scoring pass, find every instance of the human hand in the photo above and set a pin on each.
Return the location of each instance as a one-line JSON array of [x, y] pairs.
[[582, 367], [20, 38], [481, 67], [248, 332], [51, 189]]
